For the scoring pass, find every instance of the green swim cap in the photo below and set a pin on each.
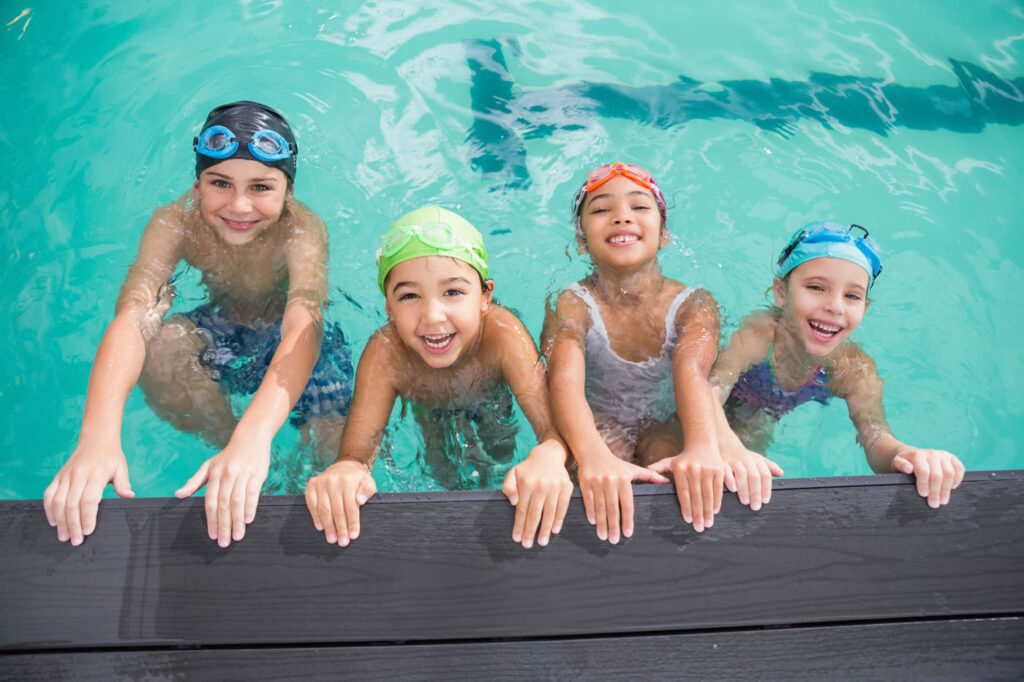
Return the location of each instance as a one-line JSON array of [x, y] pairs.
[[430, 231]]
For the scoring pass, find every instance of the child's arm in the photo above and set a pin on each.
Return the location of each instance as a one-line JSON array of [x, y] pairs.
[[334, 497], [72, 499], [856, 379], [234, 476], [539, 486], [747, 473], [605, 480], [698, 470]]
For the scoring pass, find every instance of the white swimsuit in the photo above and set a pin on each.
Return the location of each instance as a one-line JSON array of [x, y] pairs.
[[630, 392]]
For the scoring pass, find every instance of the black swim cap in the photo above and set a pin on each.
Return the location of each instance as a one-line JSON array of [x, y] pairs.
[[245, 119]]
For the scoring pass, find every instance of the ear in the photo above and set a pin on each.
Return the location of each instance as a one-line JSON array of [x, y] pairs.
[[387, 309], [485, 300], [779, 289], [581, 243], [195, 189], [666, 238], [290, 192], [867, 304]]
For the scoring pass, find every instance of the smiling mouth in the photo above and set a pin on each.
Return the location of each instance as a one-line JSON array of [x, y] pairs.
[[823, 330], [239, 225], [623, 239], [438, 343]]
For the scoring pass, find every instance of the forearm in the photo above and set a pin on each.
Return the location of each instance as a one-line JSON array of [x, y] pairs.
[[696, 407], [881, 449], [286, 377], [575, 422], [115, 371]]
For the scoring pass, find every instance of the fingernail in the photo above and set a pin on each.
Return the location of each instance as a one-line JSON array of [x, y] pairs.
[[343, 541], [224, 542], [361, 499], [528, 544], [557, 528], [542, 541], [755, 506], [237, 535], [332, 538], [517, 537], [353, 534], [62, 536], [319, 527], [602, 534], [614, 539], [628, 532], [514, 500], [698, 526], [75, 542]]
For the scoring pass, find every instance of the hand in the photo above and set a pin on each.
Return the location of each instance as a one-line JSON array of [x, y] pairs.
[[749, 475], [233, 479], [937, 472], [698, 476], [540, 489], [72, 499], [334, 497], [607, 491]]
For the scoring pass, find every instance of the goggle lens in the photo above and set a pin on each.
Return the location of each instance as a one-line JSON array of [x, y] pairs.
[[599, 176], [218, 142]]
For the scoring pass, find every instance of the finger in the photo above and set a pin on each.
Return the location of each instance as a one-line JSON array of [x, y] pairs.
[[696, 502], [73, 511], [774, 468], [60, 517], [48, 495], [902, 465], [948, 474], [587, 493], [563, 506], [325, 510], [730, 480], [222, 501], [351, 515], [89, 505], [601, 513], [934, 484], [252, 498], [122, 486], [662, 466], [626, 504], [923, 475], [959, 467], [707, 482], [519, 523], [647, 475], [742, 485], [535, 512], [683, 493], [210, 505], [238, 492], [611, 509], [766, 480], [509, 488], [195, 483], [717, 490], [547, 519], [367, 489], [754, 486], [311, 505]]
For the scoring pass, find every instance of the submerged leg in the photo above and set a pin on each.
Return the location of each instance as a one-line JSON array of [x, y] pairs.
[[179, 389]]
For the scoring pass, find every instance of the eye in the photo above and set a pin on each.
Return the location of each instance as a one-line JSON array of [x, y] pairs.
[[407, 296], [815, 287], [260, 188], [221, 184], [454, 291], [854, 297]]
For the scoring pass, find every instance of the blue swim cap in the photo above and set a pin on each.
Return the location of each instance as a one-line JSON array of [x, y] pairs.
[[825, 239]]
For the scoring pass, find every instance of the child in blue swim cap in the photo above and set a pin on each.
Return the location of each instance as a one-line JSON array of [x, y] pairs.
[[800, 352], [629, 351], [262, 256], [456, 356]]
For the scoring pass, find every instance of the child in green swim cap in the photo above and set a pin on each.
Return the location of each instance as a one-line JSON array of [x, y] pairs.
[[799, 352], [448, 348]]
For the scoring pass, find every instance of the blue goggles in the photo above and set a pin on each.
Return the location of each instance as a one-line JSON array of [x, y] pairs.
[[218, 142], [825, 233]]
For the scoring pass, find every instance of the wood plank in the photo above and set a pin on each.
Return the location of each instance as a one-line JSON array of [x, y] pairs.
[[934, 650], [441, 566]]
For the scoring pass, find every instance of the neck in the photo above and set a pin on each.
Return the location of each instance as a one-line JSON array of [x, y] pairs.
[[790, 355], [644, 281]]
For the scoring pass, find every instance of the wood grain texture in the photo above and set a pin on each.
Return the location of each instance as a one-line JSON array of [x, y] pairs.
[[442, 566], [987, 649]]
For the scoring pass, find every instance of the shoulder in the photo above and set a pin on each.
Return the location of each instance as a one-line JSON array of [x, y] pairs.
[[700, 306], [852, 371], [758, 326], [302, 227], [499, 320]]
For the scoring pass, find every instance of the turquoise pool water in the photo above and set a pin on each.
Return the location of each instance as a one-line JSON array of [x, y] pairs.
[[904, 117]]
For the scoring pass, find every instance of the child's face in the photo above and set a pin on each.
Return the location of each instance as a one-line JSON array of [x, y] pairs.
[[241, 198], [622, 225], [437, 305], [825, 299]]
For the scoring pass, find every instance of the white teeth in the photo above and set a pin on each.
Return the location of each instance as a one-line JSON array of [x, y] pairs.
[[623, 238], [825, 328], [437, 341]]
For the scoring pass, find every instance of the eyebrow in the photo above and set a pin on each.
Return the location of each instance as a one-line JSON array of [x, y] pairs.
[[628, 194], [228, 177]]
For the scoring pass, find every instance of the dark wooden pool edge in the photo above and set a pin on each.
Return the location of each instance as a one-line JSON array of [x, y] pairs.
[[848, 577]]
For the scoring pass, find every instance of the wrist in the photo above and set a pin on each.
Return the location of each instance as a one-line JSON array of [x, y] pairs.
[[367, 466]]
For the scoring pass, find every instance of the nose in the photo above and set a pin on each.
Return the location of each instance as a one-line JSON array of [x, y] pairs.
[[834, 302], [433, 311], [621, 214], [240, 202]]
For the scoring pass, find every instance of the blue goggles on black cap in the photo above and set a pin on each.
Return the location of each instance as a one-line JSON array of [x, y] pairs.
[[246, 130], [218, 142]]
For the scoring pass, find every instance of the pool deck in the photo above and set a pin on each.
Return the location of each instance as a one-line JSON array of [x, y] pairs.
[[848, 578]]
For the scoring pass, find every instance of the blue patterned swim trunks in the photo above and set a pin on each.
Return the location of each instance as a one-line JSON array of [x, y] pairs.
[[239, 356]]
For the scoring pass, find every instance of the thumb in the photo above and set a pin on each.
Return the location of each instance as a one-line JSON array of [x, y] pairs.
[[650, 474], [197, 481], [510, 488], [122, 486], [774, 468], [902, 464], [661, 466], [730, 479], [367, 489]]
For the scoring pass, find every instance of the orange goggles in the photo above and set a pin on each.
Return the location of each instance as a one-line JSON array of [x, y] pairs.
[[599, 176]]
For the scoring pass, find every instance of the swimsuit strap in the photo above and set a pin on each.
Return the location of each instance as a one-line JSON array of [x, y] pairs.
[[592, 308], [670, 317]]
